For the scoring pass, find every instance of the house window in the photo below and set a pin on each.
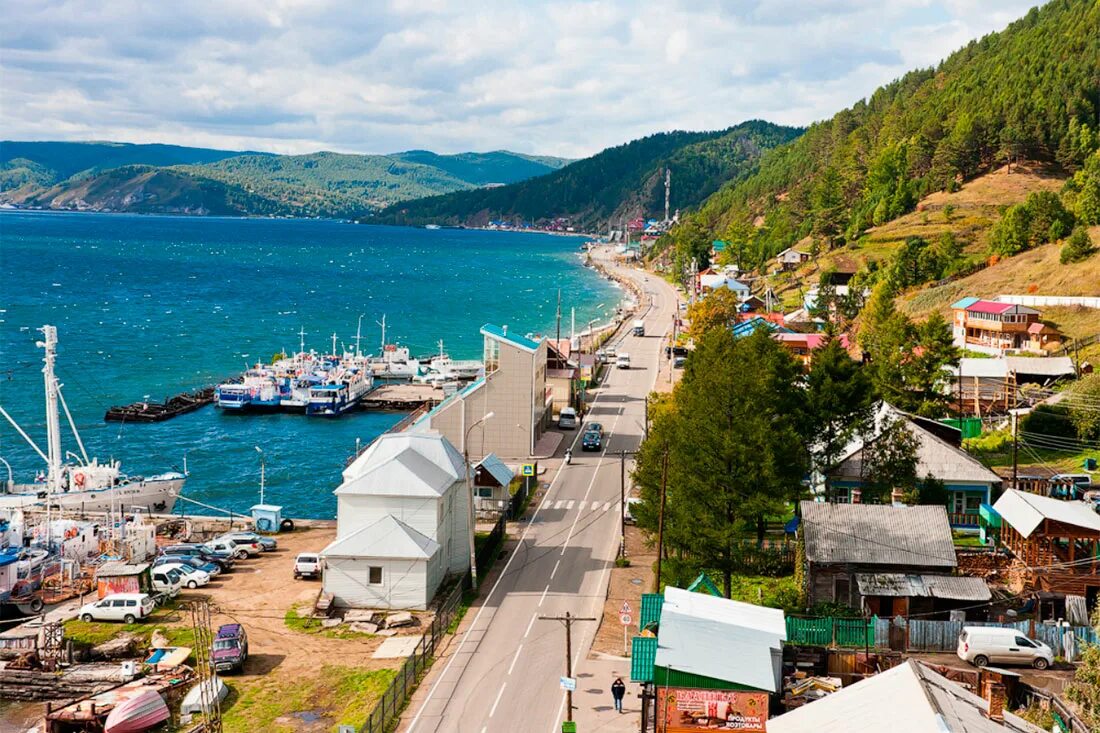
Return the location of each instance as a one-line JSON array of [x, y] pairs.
[[492, 355], [958, 502], [973, 504], [374, 575], [485, 492], [842, 590]]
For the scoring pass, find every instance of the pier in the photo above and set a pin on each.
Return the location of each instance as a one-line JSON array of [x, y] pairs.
[[403, 397], [147, 411]]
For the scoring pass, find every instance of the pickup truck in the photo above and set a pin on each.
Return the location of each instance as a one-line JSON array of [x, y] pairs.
[[307, 565], [167, 582]]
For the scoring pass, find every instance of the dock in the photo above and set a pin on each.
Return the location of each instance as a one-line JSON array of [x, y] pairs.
[[146, 411], [403, 397]]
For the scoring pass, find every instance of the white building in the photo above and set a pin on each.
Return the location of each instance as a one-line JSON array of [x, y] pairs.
[[402, 523]]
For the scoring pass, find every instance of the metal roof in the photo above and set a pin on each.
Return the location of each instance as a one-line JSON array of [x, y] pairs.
[[1025, 512], [388, 538], [1038, 366], [404, 464], [650, 611], [964, 303], [910, 585], [500, 333], [877, 534], [909, 698], [496, 468], [643, 651], [119, 569]]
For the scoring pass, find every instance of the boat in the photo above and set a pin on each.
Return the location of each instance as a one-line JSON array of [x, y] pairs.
[[394, 363], [193, 701], [257, 391], [432, 226], [80, 483], [158, 411], [139, 712]]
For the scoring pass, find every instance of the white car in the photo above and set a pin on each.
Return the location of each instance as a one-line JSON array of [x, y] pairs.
[[226, 548], [307, 565], [125, 607], [167, 581], [190, 577], [249, 545], [622, 361]]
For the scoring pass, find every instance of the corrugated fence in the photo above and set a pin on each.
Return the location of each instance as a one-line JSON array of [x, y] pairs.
[[943, 636]]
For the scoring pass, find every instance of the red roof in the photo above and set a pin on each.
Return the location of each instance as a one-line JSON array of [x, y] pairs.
[[989, 306], [1038, 327]]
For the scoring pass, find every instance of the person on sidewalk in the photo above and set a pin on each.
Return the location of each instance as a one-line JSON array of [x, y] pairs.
[[618, 690]]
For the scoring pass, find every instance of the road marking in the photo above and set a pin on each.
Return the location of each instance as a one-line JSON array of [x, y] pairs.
[[515, 659], [558, 504], [595, 505], [497, 702], [529, 625], [555, 570], [606, 505], [543, 598], [569, 505]]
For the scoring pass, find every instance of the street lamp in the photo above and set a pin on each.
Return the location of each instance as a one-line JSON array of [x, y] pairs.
[[262, 472], [470, 495], [11, 482]]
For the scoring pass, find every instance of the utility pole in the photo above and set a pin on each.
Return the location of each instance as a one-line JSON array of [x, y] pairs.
[[210, 705], [557, 342], [661, 518], [622, 503], [647, 414], [568, 619], [1015, 448]]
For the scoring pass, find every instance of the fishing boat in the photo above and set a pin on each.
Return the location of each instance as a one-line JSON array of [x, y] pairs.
[[257, 391], [77, 482], [394, 363], [139, 712]]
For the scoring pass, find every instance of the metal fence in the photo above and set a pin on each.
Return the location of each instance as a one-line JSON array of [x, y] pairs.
[[385, 714], [489, 548], [830, 631]]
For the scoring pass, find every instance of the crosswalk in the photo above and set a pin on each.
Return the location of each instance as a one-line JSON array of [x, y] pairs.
[[571, 504]]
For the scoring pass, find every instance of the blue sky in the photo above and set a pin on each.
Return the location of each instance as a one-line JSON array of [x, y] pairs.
[[557, 78]]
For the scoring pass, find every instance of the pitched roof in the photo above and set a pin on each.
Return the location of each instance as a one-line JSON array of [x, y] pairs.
[[501, 334], [877, 534], [1025, 512], [964, 303], [719, 638], [495, 468], [910, 585], [909, 698], [388, 538], [404, 464]]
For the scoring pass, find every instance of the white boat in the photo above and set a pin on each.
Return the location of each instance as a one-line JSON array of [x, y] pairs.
[[393, 362], [193, 701], [77, 482]]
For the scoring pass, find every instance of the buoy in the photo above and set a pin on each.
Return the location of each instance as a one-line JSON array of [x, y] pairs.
[[78, 479]]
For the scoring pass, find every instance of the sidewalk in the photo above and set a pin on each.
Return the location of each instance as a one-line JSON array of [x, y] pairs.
[[594, 707]]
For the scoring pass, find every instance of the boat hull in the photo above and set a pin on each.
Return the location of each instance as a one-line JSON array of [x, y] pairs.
[[155, 495], [137, 713]]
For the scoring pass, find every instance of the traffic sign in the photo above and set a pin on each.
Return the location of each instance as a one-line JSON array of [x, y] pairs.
[[625, 619], [569, 683], [625, 608], [528, 469]]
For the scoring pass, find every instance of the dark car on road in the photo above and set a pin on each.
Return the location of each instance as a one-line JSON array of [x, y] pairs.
[[230, 648], [594, 427], [592, 441]]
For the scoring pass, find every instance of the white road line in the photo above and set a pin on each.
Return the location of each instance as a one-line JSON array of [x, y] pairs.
[[555, 570], [543, 598], [606, 505], [497, 702], [529, 625], [559, 504], [595, 505], [515, 659], [569, 505]]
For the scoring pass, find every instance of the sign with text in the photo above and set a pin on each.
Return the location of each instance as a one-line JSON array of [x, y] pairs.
[[686, 710], [569, 683], [625, 619]]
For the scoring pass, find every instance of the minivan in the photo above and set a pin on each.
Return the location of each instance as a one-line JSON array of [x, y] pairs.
[[983, 645], [125, 607], [567, 418]]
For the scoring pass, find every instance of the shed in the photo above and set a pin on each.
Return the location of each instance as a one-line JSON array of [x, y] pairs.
[[120, 577], [492, 478], [387, 564], [267, 517]]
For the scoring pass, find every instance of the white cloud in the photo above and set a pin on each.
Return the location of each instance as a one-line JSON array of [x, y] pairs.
[[566, 78]]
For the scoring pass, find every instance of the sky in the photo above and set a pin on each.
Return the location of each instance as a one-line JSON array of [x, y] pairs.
[[379, 76]]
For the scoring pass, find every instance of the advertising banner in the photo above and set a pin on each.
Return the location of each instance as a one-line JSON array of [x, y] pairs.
[[686, 710]]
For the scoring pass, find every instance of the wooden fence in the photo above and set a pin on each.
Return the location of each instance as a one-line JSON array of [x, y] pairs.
[[926, 635]]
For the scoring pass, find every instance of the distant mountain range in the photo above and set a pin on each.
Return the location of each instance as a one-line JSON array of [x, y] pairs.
[[622, 182], [170, 179]]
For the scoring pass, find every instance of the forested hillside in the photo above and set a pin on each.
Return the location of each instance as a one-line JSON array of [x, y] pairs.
[[1029, 92], [623, 181]]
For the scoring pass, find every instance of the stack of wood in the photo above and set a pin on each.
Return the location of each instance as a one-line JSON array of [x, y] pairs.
[[34, 684]]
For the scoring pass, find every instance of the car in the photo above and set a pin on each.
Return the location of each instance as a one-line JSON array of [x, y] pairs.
[[678, 362], [628, 510], [567, 418], [249, 545], [307, 565], [199, 552], [267, 544], [591, 441], [622, 361], [190, 577], [983, 645], [230, 648], [125, 607], [211, 569], [594, 427], [226, 548], [167, 581]]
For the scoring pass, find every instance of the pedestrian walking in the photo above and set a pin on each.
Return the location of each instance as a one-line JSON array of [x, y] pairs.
[[618, 690]]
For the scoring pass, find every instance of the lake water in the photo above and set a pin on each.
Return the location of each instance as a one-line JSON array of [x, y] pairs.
[[152, 306]]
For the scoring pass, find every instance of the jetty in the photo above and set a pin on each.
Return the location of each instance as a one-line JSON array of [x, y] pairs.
[[146, 411], [402, 397]]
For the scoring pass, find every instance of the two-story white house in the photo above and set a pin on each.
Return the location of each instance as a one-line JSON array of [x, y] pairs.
[[402, 523]]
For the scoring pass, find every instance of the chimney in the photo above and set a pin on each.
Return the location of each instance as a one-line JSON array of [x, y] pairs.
[[993, 692], [857, 496]]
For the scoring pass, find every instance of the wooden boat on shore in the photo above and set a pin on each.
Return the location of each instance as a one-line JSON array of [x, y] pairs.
[[158, 411], [138, 712]]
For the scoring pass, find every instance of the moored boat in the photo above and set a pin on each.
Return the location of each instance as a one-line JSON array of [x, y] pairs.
[[139, 712]]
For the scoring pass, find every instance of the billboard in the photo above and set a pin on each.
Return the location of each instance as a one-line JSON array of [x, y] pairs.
[[686, 710]]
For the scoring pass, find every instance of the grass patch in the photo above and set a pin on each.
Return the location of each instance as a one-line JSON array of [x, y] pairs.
[[962, 539], [344, 694], [295, 621], [468, 597], [97, 632]]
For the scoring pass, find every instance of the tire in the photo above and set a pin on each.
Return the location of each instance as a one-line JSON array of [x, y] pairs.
[[86, 618], [287, 525], [129, 618], [192, 584], [241, 554], [981, 660], [37, 605], [1040, 663]]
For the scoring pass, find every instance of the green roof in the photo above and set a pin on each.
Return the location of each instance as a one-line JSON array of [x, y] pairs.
[[704, 583], [718, 245], [643, 652], [650, 612], [501, 334]]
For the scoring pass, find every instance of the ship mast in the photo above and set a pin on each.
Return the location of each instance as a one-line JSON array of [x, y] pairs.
[[53, 420], [358, 335]]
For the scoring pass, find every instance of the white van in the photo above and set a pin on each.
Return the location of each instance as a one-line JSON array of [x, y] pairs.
[[982, 645], [622, 361], [167, 580], [125, 607], [567, 419]]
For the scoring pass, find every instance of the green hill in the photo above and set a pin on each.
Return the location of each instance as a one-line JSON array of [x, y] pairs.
[[623, 181], [1031, 91], [171, 179]]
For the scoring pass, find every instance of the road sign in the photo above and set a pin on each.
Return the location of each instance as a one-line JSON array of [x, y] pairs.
[[625, 619], [528, 469], [625, 608], [569, 683]]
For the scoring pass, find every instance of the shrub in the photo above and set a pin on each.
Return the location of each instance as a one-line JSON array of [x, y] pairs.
[[1077, 248]]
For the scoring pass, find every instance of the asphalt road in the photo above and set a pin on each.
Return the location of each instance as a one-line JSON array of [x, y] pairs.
[[502, 673]]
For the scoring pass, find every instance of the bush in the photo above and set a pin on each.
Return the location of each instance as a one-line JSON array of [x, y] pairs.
[[1049, 420], [1040, 219], [1077, 248]]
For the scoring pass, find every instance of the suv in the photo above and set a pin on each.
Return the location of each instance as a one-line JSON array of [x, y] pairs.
[[567, 418], [199, 552], [125, 607], [226, 548], [248, 544], [197, 563], [622, 361], [167, 580], [230, 648], [591, 441], [267, 544], [307, 565]]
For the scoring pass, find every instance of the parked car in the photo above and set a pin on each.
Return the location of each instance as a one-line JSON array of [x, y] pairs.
[[267, 544], [307, 565], [679, 361], [198, 552], [125, 607], [591, 441], [189, 576], [249, 545], [226, 548], [210, 568], [628, 510], [982, 645], [230, 648], [622, 361], [166, 580], [567, 418]]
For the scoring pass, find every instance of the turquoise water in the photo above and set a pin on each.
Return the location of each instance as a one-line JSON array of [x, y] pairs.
[[158, 305]]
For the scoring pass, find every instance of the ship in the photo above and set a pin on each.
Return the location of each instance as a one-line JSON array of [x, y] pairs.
[[76, 482]]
